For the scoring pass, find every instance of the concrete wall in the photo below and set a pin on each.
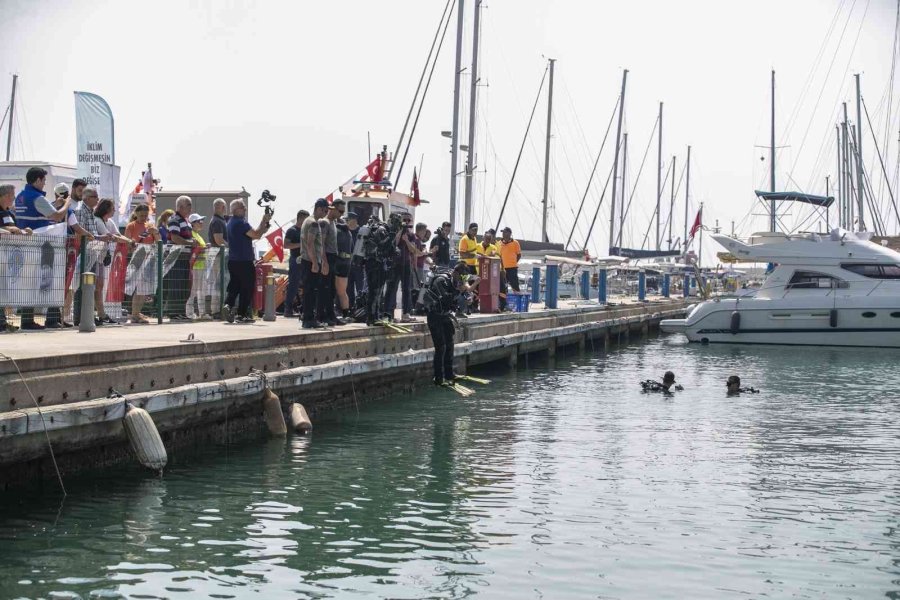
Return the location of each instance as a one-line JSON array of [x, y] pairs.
[[198, 393]]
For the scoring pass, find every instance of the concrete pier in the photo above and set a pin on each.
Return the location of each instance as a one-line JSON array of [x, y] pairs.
[[205, 380]]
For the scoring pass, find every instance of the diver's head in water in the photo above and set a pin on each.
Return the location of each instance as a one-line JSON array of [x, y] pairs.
[[733, 383], [668, 379]]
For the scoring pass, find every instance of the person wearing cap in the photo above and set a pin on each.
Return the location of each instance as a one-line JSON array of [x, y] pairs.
[[313, 264], [241, 267], [195, 303], [510, 255], [357, 280], [467, 246], [292, 242], [486, 247]]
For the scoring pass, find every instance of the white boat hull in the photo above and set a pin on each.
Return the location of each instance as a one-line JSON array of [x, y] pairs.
[[800, 322]]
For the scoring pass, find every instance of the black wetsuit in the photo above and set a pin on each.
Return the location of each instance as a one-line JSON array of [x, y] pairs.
[[440, 299]]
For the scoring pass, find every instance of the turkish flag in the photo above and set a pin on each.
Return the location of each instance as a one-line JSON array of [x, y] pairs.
[[276, 240], [115, 282], [374, 171], [416, 200], [698, 223]]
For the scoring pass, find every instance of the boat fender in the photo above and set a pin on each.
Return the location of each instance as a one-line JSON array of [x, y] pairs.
[[300, 421], [832, 317], [144, 438], [735, 322], [274, 415]]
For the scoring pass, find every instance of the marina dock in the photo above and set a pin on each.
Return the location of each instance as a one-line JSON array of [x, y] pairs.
[[204, 381]]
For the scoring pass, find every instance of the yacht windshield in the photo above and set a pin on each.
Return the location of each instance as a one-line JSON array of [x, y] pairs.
[[874, 271], [810, 280]]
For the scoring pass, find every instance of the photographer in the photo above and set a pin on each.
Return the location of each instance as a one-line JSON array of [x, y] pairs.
[[241, 261]]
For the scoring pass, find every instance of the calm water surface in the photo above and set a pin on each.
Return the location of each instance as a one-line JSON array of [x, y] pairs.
[[556, 483]]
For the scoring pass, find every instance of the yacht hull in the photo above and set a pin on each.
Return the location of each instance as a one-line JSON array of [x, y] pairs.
[[816, 322]]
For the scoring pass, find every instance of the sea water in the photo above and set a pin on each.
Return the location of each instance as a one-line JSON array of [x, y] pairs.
[[559, 480]]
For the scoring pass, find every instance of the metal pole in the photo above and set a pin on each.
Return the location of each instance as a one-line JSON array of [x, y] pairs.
[[473, 103], [622, 203], [86, 323], [544, 236], [659, 172], [859, 160], [612, 210], [771, 161], [837, 131], [827, 193], [159, 281], [848, 184], [687, 194], [700, 250], [269, 299], [12, 112], [454, 137], [672, 201]]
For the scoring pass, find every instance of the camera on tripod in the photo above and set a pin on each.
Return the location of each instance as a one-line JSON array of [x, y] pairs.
[[265, 202]]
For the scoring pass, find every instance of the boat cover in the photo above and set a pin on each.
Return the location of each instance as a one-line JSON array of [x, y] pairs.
[[825, 201]]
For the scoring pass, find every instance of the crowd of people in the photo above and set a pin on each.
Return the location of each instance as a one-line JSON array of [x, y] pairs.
[[340, 269]]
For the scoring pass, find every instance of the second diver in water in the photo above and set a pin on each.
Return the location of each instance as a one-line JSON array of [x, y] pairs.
[[734, 386]]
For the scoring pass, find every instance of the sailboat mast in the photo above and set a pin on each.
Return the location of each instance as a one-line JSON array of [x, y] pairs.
[[687, 194], [612, 210], [672, 201], [772, 159], [473, 106], [545, 201], [659, 173], [840, 183], [845, 173], [454, 136], [860, 179], [12, 112], [827, 193], [623, 195]]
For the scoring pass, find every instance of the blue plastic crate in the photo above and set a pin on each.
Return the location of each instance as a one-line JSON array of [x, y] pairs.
[[518, 302]]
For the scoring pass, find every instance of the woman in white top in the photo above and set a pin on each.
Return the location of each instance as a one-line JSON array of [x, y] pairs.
[[104, 211]]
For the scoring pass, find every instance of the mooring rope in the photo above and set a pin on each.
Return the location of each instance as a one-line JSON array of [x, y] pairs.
[[43, 422]]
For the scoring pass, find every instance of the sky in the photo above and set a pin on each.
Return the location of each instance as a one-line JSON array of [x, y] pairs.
[[285, 96]]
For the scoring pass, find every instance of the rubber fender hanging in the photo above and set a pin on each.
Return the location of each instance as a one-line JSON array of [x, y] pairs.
[[832, 317], [300, 421], [735, 322], [144, 438], [274, 415]]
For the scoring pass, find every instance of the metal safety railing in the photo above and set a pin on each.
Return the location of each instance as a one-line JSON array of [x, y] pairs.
[[41, 275]]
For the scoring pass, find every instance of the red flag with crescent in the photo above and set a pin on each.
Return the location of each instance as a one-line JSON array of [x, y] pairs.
[[276, 240], [115, 283], [374, 171]]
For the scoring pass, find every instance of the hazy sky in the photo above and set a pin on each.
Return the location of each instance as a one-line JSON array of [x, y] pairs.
[[281, 95]]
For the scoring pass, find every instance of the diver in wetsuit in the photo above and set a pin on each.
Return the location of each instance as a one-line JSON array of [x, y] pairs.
[[379, 254], [667, 385], [734, 386], [440, 299]]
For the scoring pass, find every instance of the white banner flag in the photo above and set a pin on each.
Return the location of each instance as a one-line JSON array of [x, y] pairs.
[[32, 271], [95, 137]]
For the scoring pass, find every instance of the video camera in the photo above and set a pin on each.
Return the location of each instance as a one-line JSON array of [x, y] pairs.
[[266, 200]]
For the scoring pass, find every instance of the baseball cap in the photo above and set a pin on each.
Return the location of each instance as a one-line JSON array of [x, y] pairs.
[[194, 218], [473, 225], [60, 188], [505, 229], [321, 203], [338, 202]]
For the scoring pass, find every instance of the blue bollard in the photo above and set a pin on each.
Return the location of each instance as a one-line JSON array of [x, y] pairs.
[[601, 286], [642, 286], [536, 285], [551, 286], [585, 285], [666, 285], [687, 286]]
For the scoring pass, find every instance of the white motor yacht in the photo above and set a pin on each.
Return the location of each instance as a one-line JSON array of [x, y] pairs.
[[824, 290]]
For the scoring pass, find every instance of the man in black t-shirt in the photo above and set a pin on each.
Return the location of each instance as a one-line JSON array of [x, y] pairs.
[[293, 241], [440, 246]]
